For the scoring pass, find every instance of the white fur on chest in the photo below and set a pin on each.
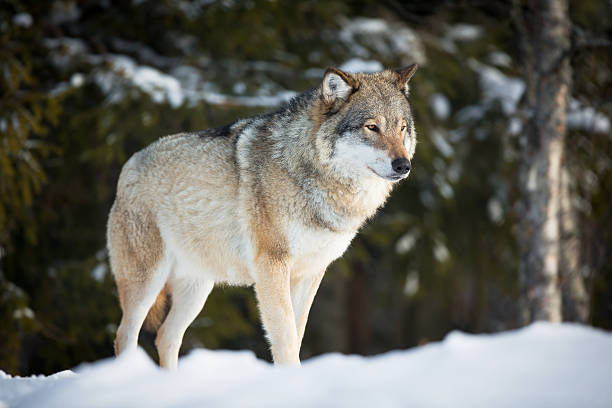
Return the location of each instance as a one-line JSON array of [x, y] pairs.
[[313, 249], [372, 194]]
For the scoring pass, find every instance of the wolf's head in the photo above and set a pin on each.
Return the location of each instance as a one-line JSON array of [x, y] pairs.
[[366, 126]]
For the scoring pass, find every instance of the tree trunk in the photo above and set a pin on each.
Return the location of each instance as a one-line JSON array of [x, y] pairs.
[[575, 297], [544, 26]]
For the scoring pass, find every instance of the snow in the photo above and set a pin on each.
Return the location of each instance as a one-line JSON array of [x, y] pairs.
[[411, 287], [186, 85], [515, 125], [586, 118], [183, 84], [99, 271], [254, 101], [367, 37], [406, 242], [439, 140], [500, 59], [143, 53], [495, 210], [158, 85], [499, 87], [463, 32], [454, 171], [22, 20], [24, 312], [12, 389], [542, 365], [239, 88], [193, 9], [470, 113], [359, 65], [441, 252], [426, 198], [508, 91], [77, 79], [440, 105], [458, 33]]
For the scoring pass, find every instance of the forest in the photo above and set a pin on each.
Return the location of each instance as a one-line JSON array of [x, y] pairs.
[[505, 218]]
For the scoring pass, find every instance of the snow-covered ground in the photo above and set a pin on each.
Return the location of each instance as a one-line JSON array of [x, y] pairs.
[[543, 365]]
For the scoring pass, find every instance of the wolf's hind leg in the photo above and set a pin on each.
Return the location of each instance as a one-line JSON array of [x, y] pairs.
[[137, 297], [140, 268], [188, 298]]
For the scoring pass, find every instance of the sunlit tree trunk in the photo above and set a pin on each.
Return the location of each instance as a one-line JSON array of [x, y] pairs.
[[544, 32], [575, 297]]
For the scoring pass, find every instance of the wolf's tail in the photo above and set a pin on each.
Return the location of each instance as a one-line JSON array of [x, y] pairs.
[[158, 312]]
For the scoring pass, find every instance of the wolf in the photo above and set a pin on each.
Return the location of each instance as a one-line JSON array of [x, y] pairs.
[[268, 201]]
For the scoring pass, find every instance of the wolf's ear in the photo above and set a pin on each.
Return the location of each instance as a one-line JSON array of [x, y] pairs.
[[337, 87], [403, 76]]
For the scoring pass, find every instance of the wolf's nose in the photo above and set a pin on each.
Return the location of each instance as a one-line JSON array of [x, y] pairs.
[[401, 166]]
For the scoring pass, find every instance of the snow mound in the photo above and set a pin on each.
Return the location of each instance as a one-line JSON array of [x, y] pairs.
[[543, 365]]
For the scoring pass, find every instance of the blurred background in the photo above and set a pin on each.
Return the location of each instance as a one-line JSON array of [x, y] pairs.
[[85, 84]]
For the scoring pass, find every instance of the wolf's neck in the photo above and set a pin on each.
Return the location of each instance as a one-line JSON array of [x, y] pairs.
[[359, 200], [340, 203]]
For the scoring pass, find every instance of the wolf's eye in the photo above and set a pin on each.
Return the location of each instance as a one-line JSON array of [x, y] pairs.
[[403, 127], [373, 128]]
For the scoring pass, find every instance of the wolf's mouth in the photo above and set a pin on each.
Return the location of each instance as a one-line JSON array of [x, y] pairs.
[[392, 177], [395, 178]]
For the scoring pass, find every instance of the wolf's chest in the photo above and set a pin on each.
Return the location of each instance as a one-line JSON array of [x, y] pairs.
[[312, 249]]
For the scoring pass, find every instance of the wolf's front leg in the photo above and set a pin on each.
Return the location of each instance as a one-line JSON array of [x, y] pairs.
[[272, 288], [303, 291]]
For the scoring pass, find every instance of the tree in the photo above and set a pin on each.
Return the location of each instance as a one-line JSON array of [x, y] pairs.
[[26, 113], [544, 29]]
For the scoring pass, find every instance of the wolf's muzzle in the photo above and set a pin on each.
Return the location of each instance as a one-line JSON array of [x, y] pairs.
[[401, 166]]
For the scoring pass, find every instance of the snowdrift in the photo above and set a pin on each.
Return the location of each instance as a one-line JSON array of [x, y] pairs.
[[543, 365]]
